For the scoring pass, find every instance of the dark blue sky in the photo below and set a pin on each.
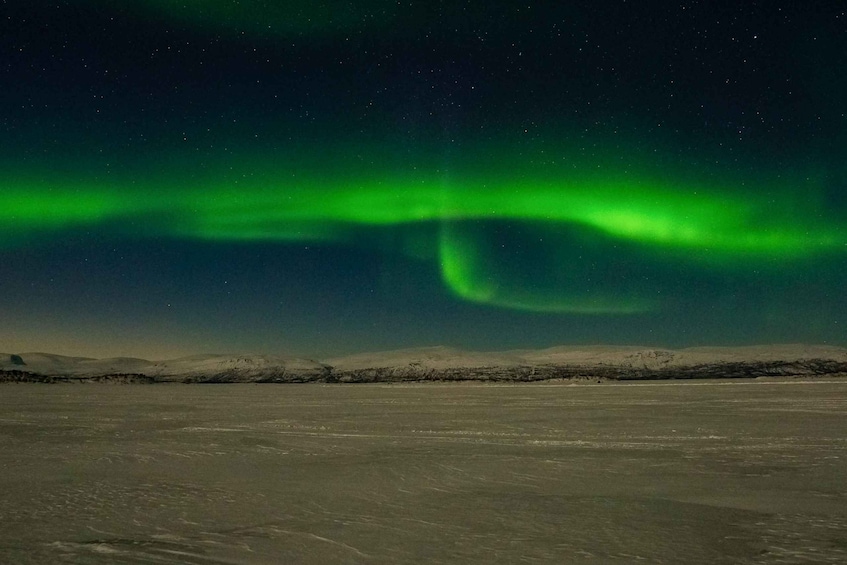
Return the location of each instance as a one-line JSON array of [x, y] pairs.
[[319, 178]]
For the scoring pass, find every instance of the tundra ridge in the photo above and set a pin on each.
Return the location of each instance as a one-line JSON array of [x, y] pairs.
[[603, 362]]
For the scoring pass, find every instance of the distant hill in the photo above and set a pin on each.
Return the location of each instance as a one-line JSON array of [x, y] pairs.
[[442, 364]]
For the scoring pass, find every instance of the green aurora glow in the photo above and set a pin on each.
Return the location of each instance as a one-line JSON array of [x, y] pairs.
[[259, 18], [719, 226], [329, 140]]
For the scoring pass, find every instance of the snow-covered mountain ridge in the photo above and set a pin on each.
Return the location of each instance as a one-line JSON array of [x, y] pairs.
[[442, 364]]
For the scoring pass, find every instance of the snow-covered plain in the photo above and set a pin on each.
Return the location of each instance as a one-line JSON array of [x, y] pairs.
[[713, 472]]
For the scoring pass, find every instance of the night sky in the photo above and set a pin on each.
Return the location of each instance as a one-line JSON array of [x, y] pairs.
[[319, 178]]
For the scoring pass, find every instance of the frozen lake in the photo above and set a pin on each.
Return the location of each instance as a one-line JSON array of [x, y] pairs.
[[695, 472]]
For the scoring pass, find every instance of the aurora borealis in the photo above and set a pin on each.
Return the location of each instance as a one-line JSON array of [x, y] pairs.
[[314, 178]]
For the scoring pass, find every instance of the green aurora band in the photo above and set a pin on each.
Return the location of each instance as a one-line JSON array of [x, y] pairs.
[[713, 226], [271, 19]]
